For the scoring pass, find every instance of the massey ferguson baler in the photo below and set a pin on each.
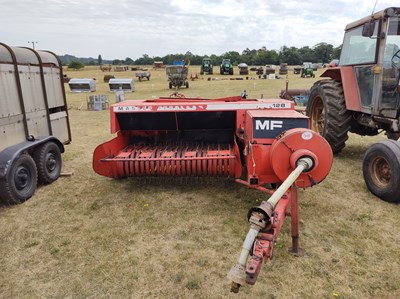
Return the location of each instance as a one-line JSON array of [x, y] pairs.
[[263, 144]]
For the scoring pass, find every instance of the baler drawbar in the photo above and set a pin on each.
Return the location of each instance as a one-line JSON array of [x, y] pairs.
[[261, 143]]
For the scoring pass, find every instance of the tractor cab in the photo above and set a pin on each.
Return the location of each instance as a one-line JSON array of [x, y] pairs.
[[371, 48]]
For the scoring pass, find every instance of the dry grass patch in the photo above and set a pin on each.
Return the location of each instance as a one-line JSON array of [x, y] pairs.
[[87, 236]]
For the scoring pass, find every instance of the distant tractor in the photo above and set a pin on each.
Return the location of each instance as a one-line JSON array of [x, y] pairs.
[[226, 67], [307, 70], [362, 95], [206, 66], [34, 124]]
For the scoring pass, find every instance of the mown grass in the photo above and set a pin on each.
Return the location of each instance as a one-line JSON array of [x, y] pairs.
[[87, 236]]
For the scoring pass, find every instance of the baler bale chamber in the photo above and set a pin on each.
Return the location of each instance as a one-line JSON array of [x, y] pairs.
[[262, 143]]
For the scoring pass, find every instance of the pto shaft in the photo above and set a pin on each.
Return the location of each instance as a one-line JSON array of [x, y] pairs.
[[259, 219]]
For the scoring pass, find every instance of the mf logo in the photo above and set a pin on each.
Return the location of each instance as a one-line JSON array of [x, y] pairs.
[[268, 124]]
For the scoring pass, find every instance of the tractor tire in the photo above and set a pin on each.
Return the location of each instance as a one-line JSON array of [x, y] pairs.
[[329, 117], [231, 72], [170, 85], [381, 170], [48, 162], [20, 181], [187, 84]]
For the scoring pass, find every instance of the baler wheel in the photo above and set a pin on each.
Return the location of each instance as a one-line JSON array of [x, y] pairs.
[[381, 170], [48, 162], [328, 114], [20, 181]]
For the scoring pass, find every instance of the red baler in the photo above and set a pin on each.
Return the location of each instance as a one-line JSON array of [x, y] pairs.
[[262, 143]]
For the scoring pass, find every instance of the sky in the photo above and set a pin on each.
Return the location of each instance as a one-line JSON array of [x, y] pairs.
[[130, 28]]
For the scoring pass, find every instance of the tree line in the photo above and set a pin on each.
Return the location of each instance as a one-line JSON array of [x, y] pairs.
[[320, 53]]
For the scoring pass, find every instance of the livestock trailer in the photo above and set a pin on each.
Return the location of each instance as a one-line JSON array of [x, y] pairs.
[[82, 85], [34, 124]]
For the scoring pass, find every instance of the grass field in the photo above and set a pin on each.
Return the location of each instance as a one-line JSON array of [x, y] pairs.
[[87, 236]]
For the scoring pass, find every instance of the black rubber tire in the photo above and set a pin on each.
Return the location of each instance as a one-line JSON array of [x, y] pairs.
[[48, 162], [20, 181], [329, 117], [381, 170], [170, 85], [187, 84]]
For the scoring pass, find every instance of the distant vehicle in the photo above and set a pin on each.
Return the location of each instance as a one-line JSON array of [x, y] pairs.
[[283, 69], [333, 63], [226, 67], [177, 74], [307, 70], [206, 66], [243, 69]]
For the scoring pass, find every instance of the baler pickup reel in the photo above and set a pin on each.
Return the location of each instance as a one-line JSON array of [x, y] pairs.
[[262, 143]]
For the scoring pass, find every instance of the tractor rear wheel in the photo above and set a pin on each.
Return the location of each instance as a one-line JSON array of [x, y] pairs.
[[381, 170], [328, 114]]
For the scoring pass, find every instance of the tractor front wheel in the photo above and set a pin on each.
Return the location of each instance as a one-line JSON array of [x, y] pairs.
[[381, 170], [329, 117]]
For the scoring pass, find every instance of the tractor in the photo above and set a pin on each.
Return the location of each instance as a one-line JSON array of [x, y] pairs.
[[226, 67], [362, 95], [307, 70], [206, 66]]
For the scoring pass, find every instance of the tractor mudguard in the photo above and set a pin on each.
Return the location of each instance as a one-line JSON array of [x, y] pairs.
[[10, 154], [346, 75]]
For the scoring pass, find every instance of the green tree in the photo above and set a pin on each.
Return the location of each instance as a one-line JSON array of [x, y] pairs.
[[76, 65], [323, 52], [117, 62], [290, 55], [99, 60], [129, 61], [307, 54], [336, 52]]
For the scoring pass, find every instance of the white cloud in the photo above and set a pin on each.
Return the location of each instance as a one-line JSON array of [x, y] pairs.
[[120, 29]]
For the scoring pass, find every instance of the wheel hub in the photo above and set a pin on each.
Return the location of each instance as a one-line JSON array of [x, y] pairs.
[[381, 172], [21, 178]]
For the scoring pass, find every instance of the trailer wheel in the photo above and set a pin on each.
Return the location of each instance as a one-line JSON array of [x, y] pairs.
[[20, 181], [326, 108], [381, 170], [48, 162]]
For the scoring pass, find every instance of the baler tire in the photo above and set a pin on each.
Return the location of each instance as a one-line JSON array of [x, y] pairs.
[[381, 170], [329, 117], [48, 162], [20, 181]]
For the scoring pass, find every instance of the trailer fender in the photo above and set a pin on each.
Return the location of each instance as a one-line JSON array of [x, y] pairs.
[[10, 154]]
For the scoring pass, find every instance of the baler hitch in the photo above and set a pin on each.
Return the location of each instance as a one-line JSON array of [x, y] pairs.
[[266, 221]]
